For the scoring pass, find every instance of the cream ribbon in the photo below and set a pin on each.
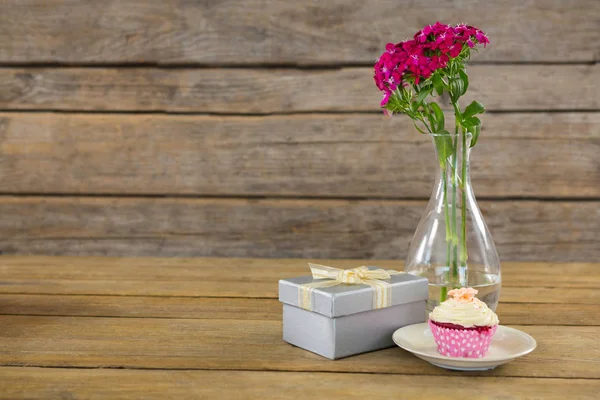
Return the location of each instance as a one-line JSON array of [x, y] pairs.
[[382, 293]]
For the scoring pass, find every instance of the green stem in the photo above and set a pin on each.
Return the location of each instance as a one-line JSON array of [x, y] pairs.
[[455, 274], [463, 251], [424, 123], [446, 212], [454, 227], [443, 293]]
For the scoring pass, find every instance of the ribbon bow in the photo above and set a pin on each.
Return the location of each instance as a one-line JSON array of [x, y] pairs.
[[382, 294]]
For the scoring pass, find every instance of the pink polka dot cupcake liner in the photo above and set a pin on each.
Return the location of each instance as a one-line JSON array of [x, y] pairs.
[[466, 343]]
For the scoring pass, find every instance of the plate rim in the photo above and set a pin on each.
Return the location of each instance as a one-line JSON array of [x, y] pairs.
[[481, 360]]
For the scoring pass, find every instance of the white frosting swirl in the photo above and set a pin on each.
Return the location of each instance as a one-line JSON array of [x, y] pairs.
[[466, 314]]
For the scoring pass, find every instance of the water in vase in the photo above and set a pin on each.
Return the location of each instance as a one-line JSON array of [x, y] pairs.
[[452, 246], [488, 293], [487, 285]]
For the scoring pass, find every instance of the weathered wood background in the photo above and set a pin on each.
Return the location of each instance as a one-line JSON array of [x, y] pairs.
[[252, 128]]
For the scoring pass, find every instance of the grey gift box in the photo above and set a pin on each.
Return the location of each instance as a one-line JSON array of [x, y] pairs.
[[343, 321]]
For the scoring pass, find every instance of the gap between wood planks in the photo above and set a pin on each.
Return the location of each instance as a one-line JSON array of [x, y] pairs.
[[223, 319], [242, 308], [549, 199], [251, 65], [231, 297], [74, 111], [470, 375], [465, 374]]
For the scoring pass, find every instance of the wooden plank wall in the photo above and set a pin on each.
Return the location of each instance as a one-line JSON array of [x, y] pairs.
[[252, 128]]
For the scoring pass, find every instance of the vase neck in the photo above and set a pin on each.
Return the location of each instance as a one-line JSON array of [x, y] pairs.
[[452, 155]]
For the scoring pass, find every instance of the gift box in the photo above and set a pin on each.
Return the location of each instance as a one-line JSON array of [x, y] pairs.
[[338, 313]]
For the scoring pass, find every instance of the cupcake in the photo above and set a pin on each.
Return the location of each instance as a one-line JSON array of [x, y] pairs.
[[463, 325]]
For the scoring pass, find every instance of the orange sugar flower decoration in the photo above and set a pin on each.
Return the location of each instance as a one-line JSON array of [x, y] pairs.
[[463, 295]]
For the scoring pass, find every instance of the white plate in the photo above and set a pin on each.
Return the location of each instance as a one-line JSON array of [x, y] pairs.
[[507, 344]]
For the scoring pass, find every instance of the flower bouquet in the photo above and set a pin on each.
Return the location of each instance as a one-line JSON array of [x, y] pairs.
[[412, 75]]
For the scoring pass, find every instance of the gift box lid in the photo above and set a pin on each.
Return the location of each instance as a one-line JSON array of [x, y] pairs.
[[347, 299]]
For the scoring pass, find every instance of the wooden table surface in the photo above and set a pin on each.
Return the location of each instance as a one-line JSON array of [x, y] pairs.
[[92, 327]]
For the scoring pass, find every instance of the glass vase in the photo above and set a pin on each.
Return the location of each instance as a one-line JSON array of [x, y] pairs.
[[452, 246]]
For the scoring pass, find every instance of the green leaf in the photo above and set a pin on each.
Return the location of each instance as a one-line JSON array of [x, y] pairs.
[[438, 117], [414, 106], [476, 132], [471, 122], [422, 95], [438, 83], [457, 88], [419, 129], [473, 109], [424, 85], [476, 121], [444, 146], [430, 117], [473, 125], [396, 103], [465, 78]]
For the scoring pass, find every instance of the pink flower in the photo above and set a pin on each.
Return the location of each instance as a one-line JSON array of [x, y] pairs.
[[481, 38], [454, 50], [439, 27], [386, 98], [421, 37], [410, 46], [411, 61], [427, 30]]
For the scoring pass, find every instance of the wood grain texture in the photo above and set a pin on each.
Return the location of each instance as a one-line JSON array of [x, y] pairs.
[[136, 346], [569, 352], [543, 314], [147, 307], [522, 230], [255, 278], [27, 383], [530, 154], [263, 91], [279, 31], [250, 309]]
